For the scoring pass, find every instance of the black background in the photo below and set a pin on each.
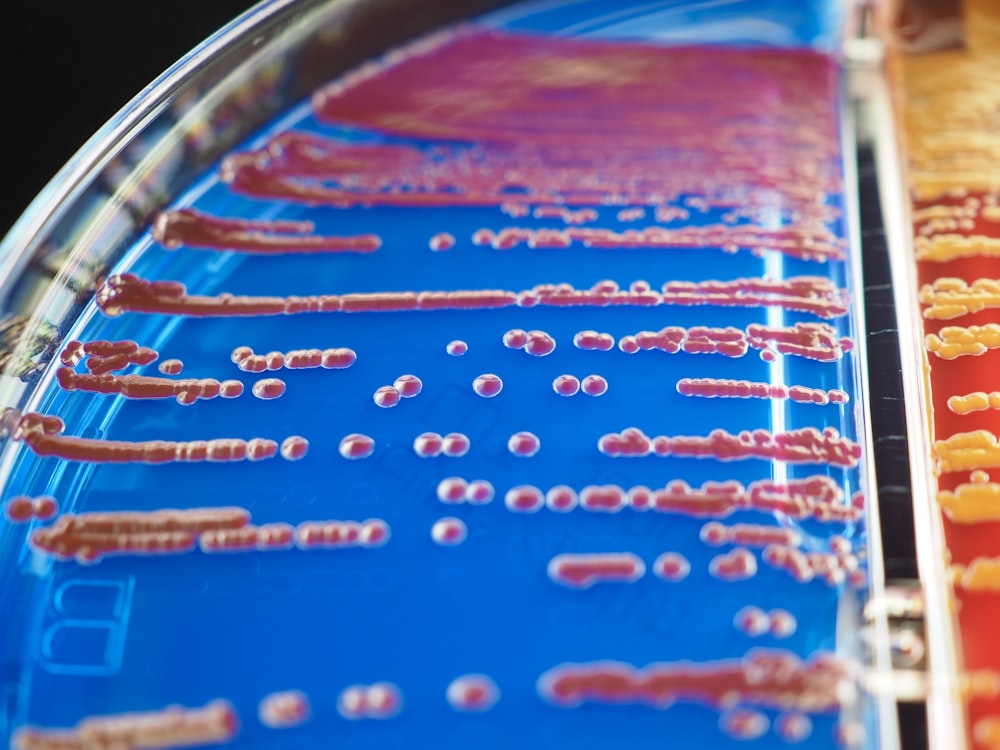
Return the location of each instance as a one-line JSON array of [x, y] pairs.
[[66, 66]]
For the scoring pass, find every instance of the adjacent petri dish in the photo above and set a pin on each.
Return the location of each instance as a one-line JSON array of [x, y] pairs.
[[491, 378]]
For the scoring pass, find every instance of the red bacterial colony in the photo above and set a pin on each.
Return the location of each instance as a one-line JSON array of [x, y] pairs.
[[442, 241], [793, 727], [594, 385], [428, 445], [765, 678], [472, 693], [566, 385], [515, 338], [628, 344], [42, 434], [568, 216], [850, 734], [297, 359], [174, 726], [386, 397], [356, 446], [812, 294], [539, 344], [487, 385], [744, 724], [20, 509], [756, 622], [455, 490], [455, 444], [524, 444], [736, 565], [817, 497], [294, 448], [792, 560], [452, 490], [408, 385], [524, 499], [666, 214], [271, 536], [561, 499], [230, 389], [519, 210], [805, 445], [186, 390], [804, 567], [640, 498], [583, 571], [802, 244], [269, 389], [337, 358], [672, 567], [383, 700], [449, 531], [100, 357], [171, 366], [44, 508], [752, 620], [607, 499], [631, 214], [479, 492], [748, 535], [373, 532], [719, 388], [193, 228], [88, 537], [816, 341], [129, 293], [284, 710], [535, 343], [594, 341], [783, 623], [518, 128]]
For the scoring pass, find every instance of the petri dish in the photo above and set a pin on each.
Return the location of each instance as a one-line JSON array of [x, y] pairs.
[[491, 376], [947, 217]]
